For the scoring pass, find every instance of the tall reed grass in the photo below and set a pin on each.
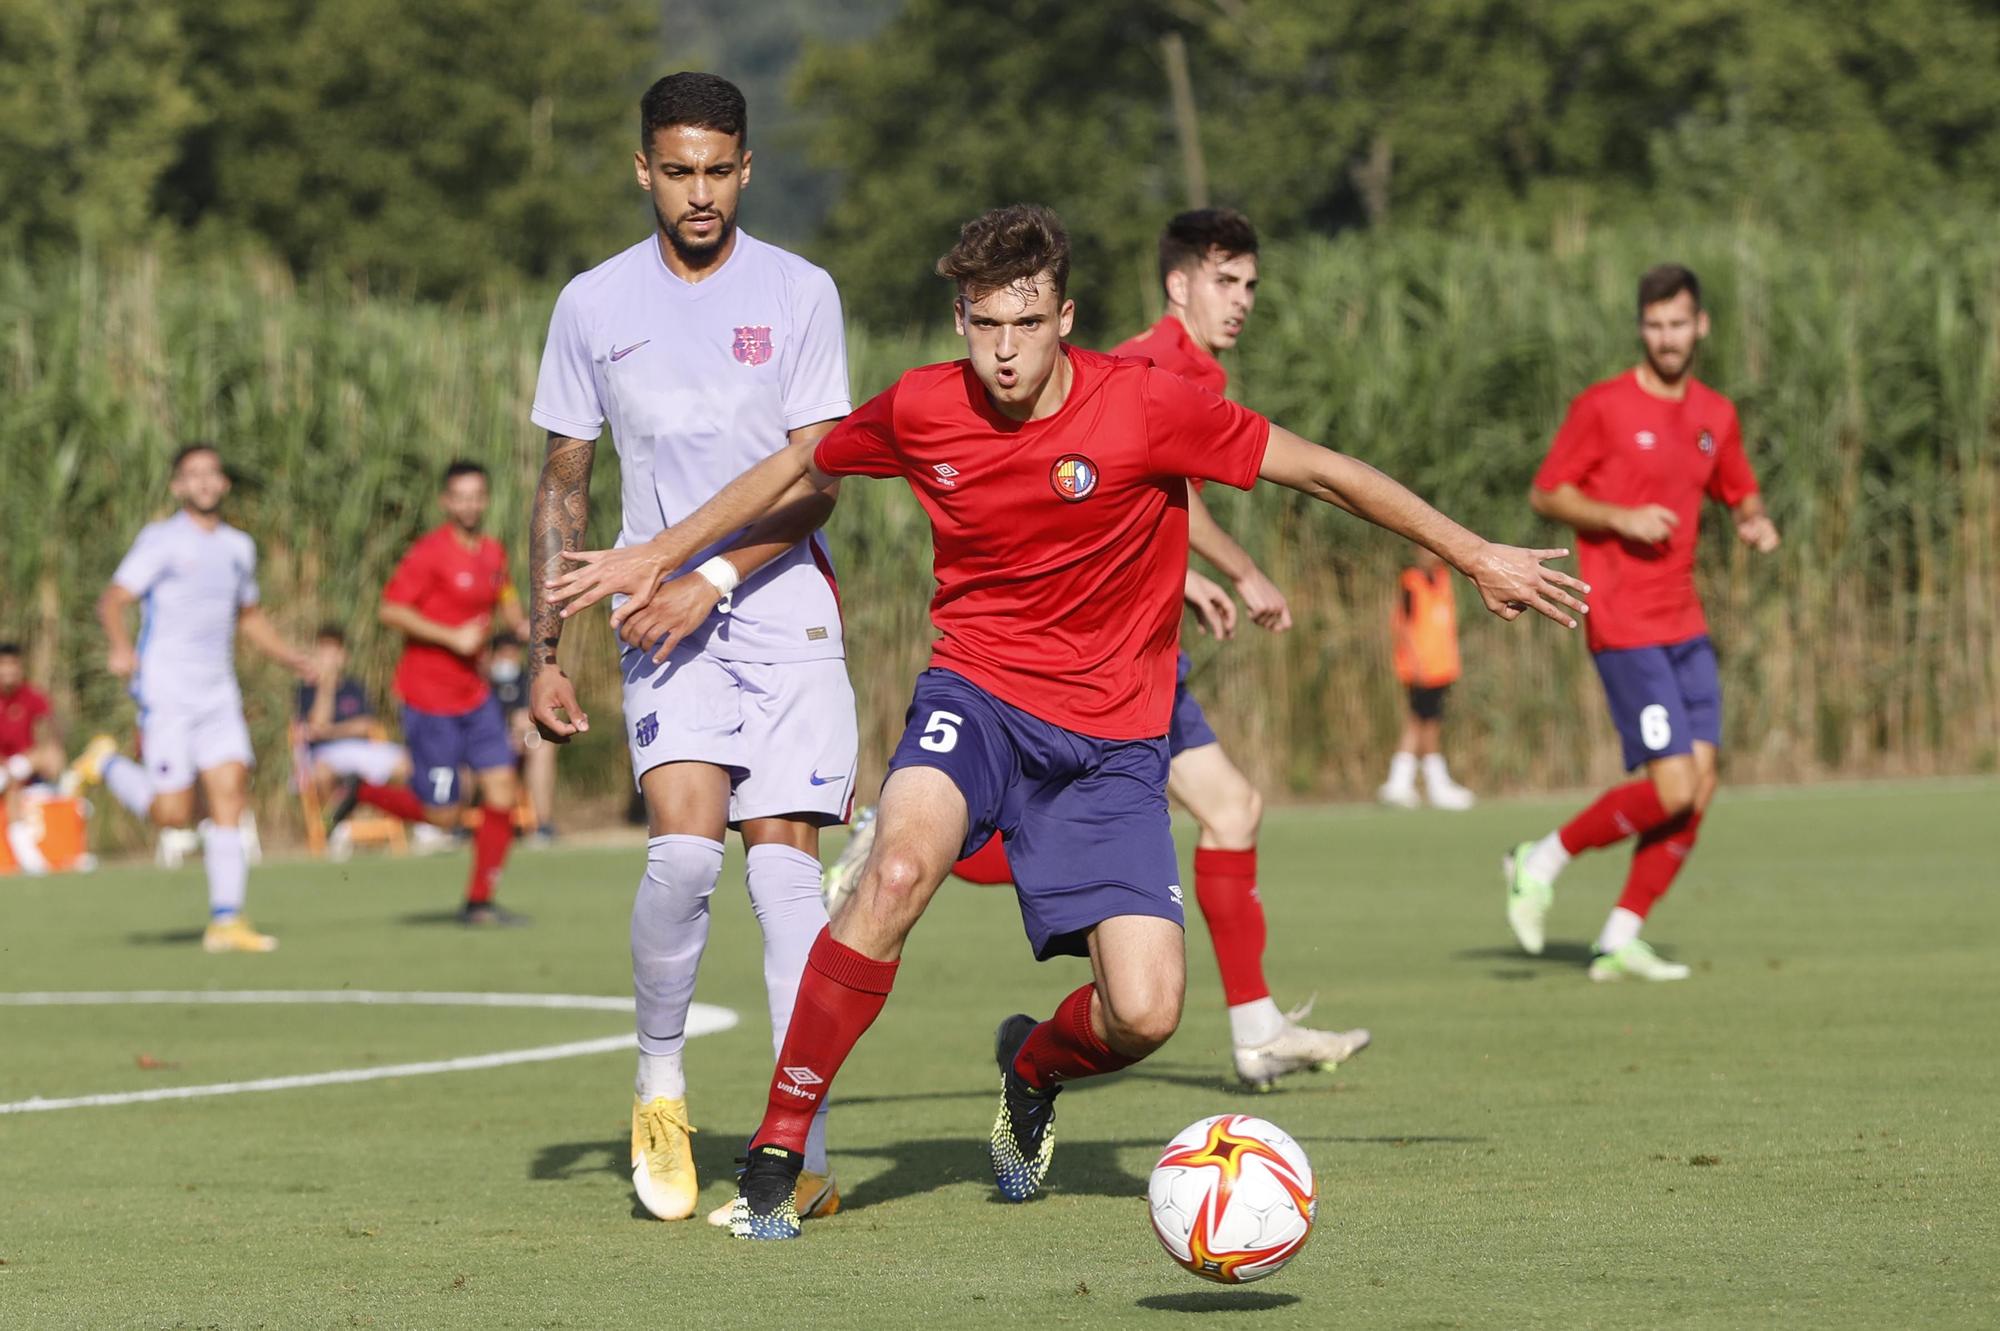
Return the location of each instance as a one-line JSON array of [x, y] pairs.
[[1868, 375]]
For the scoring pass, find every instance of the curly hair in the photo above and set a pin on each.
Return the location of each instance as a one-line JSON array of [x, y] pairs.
[[1006, 247]]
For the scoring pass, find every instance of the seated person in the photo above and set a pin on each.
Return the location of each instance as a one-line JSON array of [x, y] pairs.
[[343, 737], [30, 747], [506, 671]]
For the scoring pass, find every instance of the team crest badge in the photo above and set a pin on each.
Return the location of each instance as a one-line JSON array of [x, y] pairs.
[[1707, 442], [647, 730], [1074, 477], [752, 345]]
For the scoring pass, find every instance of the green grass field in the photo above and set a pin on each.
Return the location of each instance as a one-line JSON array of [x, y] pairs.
[[1801, 1135]]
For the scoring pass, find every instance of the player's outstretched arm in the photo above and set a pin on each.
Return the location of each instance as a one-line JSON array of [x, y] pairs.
[[261, 633], [635, 571], [555, 528], [1510, 580], [1261, 596]]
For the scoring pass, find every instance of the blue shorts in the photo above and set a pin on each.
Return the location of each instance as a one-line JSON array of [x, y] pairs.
[[1188, 728], [1663, 699], [441, 744], [1085, 820]]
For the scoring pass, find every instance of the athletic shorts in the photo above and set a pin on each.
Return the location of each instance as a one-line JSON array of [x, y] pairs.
[[1663, 699], [180, 741], [1085, 820], [373, 760], [785, 731], [1188, 728], [1427, 704], [442, 743]]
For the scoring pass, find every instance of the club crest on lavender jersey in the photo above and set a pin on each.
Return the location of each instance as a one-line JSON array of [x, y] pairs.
[[752, 345]]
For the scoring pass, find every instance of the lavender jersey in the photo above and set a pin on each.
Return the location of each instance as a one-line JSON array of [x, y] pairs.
[[700, 382], [191, 583]]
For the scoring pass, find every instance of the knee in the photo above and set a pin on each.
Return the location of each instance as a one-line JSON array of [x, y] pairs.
[[1137, 1028], [1238, 816], [894, 880], [1704, 792], [1677, 786]]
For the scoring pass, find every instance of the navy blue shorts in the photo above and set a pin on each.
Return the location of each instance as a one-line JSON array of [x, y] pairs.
[[1085, 820], [441, 744], [1188, 728], [1663, 699]]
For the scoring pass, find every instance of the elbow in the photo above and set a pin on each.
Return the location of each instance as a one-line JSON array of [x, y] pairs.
[[1538, 501]]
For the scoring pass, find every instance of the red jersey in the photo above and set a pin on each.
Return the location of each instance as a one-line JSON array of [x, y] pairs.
[[1621, 445], [1169, 345], [19, 711], [448, 584], [1060, 544]]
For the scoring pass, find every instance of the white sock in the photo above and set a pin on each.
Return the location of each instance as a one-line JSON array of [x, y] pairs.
[[1436, 775], [660, 1075], [1403, 770], [1620, 928], [669, 930], [228, 875], [1256, 1022], [129, 784], [1548, 858], [784, 893], [27, 851]]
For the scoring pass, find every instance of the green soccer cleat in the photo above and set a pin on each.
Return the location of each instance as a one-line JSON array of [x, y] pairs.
[[1528, 900], [1635, 961]]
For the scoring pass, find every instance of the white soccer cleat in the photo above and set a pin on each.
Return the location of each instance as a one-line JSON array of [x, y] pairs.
[[1399, 796], [1297, 1048], [841, 876], [340, 843], [174, 845], [1448, 794], [1635, 961], [427, 839]]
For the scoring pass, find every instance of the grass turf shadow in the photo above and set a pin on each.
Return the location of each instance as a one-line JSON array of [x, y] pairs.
[[165, 938], [1218, 1301]]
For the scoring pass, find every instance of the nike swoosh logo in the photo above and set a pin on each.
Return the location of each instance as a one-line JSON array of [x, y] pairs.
[[621, 355], [819, 780]]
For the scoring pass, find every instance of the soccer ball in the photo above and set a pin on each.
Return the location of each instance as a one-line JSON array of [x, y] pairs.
[[1232, 1199]]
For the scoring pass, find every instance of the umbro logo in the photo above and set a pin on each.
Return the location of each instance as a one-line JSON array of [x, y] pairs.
[[1174, 891], [1645, 439], [622, 353], [947, 474], [800, 1078]]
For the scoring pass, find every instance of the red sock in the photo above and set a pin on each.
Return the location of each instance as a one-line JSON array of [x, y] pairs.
[[490, 845], [1632, 809], [397, 801], [1064, 1047], [840, 994], [1659, 856], [988, 865], [1225, 887]]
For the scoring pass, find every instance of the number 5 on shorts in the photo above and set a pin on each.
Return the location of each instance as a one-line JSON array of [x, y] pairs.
[[941, 732]]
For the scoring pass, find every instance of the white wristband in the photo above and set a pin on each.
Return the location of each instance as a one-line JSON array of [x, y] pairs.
[[721, 574]]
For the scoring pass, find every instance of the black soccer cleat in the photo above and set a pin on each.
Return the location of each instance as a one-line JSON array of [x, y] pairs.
[[767, 1194], [1024, 1138], [490, 915]]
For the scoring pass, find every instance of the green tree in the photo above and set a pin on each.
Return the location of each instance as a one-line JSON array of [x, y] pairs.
[[92, 104]]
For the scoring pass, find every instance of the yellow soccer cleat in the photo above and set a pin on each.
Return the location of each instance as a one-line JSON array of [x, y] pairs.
[[232, 933], [88, 769], [816, 1197], [663, 1158]]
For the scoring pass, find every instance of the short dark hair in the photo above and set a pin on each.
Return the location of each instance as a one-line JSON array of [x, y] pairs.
[[1191, 236], [458, 467], [331, 632], [702, 101], [1664, 282], [10, 649], [188, 450], [1005, 246], [506, 638]]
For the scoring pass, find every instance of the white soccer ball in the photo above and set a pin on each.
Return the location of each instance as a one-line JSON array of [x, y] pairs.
[[1232, 1199]]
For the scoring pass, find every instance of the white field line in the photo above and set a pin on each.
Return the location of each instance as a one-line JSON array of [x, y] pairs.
[[703, 1019]]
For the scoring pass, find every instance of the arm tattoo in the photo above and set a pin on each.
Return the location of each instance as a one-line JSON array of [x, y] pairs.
[[562, 506]]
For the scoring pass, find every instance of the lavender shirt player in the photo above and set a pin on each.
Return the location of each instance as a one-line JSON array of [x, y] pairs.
[[190, 584]]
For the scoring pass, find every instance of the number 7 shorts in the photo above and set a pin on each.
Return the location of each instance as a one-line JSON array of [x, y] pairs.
[[784, 730], [1663, 699], [1085, 820]]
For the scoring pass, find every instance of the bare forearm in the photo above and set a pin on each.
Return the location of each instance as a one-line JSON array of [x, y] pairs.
[[561, 512], [1350, 484], [405, 620], [1750, 508], [111, 610], [1207, 539], [784, 528], [261, 633], [759, 496], [1574, 509]]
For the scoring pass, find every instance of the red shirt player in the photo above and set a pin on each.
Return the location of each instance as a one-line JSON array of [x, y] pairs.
[[1629, 470], [1208, 273], [442, 598], [1055, 481], [27, 750]]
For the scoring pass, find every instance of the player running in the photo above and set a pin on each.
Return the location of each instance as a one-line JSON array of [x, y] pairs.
[[1208, 267], [442, 598], [706, 350], [195, 578], [1628, 470], [1055, 481]]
